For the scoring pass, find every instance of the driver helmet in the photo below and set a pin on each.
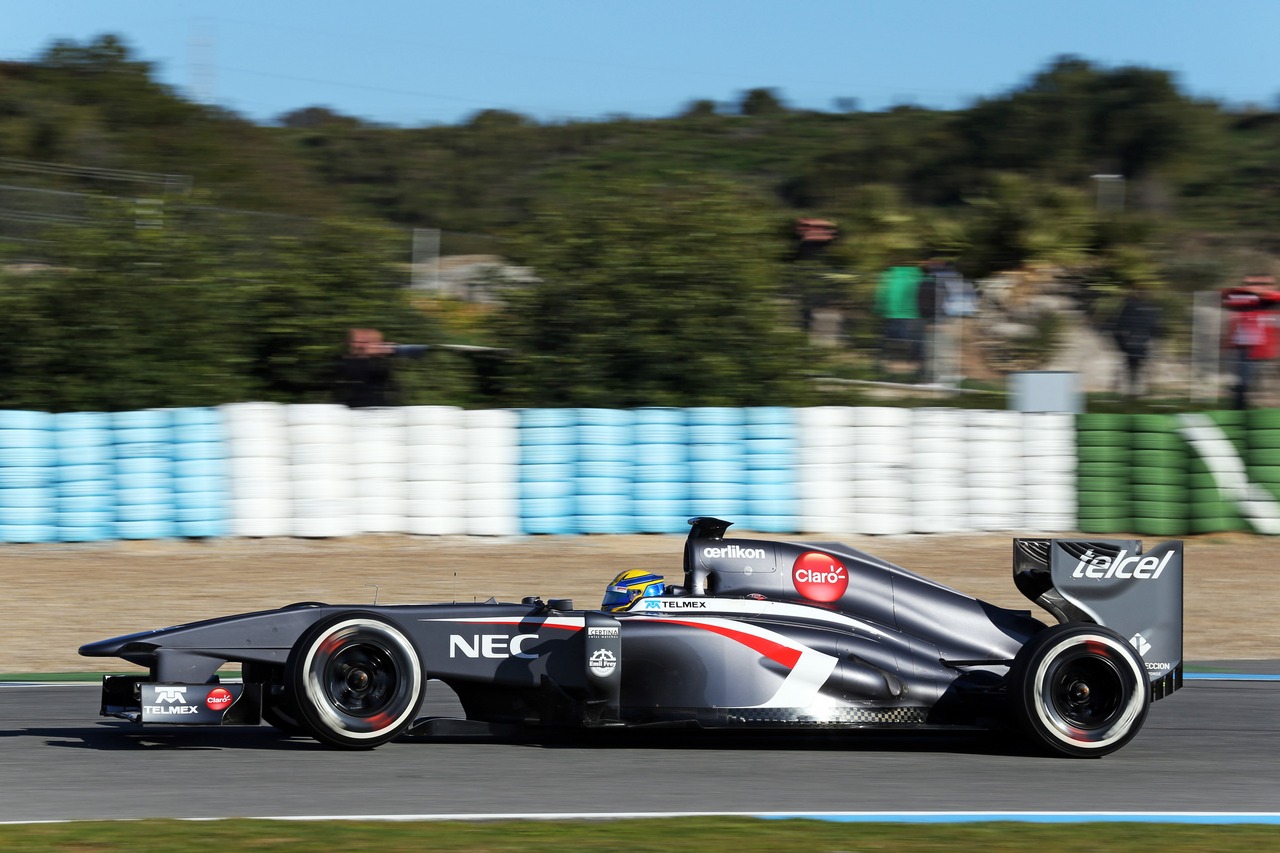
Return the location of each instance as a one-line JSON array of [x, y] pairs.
[[630, 585]]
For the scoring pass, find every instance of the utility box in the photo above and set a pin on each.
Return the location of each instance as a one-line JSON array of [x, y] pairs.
[[1046, 391]]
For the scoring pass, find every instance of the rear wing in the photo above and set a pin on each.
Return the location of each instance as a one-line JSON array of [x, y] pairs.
[[1112, 582]]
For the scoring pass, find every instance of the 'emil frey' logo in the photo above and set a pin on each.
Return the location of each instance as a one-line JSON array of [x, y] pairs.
[[1100, 566], [602, 663]]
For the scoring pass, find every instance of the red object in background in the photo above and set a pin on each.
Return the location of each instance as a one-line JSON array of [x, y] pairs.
[[1253, 322]]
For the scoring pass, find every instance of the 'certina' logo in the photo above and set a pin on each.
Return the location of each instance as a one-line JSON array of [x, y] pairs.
[[176, 695], [735, 551], [1100, 566], [218, 699], [495, 646], [602, 632], [819, 577]]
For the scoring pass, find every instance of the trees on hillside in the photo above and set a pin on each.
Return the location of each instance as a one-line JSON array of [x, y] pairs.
[[197, 310], [653, 292]]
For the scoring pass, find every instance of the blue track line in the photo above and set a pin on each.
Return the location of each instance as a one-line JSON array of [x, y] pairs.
[[1272, 818]]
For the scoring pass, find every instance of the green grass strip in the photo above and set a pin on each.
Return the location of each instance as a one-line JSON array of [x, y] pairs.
[[742, 835]]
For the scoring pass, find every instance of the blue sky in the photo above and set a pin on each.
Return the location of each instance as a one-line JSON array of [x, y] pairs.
[[417, 62]]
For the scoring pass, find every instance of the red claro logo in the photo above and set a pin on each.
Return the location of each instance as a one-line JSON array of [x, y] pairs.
[[819, 577], [218, 699]]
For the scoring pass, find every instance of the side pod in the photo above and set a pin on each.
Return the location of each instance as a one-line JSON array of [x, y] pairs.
[[1112, 582]]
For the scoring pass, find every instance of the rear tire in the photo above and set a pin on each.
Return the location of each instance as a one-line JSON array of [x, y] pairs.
[[357, 680], [1079, 690]]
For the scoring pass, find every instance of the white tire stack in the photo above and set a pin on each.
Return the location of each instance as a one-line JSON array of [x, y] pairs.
[[491, 477], [1049, 471], [258, 462], [320, 469], [994, 461], [938, 471], [881, 471], [379, 464], [824, 468], [435, 450]]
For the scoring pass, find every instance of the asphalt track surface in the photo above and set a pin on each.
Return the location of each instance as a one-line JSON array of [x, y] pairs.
[[1212, 747]]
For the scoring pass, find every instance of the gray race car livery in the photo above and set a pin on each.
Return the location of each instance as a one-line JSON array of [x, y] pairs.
[[761, 634]]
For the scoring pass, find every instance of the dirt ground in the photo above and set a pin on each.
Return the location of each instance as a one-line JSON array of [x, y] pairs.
[[59, 596]]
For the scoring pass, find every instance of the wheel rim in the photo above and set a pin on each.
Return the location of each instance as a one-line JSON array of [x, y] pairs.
[[364, 679], [1089, 694], [1085, 693]]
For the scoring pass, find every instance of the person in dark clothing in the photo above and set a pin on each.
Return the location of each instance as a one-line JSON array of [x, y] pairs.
[[1137, 323], [365, 377]]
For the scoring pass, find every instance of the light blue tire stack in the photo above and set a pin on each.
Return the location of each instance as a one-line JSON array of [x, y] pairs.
[[548, 453], [86, 476], [659, 471], [143, 448], [770, 439], [602, 473], [27, 469], [717, 466], [200, 487]]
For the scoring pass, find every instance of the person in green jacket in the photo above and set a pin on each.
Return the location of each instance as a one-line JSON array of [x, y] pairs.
[[897, 304]]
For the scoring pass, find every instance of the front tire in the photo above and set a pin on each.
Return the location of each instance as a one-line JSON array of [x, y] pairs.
[[1079, 690], [357, 680]]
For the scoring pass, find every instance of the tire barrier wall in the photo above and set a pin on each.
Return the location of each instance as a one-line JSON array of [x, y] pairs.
[[318, 470], [1175, 475]]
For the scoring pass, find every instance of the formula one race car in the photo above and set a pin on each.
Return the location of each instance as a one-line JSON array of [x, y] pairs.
[[761, 635]]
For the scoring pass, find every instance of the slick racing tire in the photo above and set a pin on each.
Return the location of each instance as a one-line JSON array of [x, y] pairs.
[[1079, 690], [357, 680]]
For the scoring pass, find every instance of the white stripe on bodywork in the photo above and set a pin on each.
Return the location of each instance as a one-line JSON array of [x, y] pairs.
[[554, 622], [799, 689]]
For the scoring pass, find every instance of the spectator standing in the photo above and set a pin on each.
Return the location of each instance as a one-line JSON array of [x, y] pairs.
[[897, 303], [365, 377], [1251, 331], [1136, 325]]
